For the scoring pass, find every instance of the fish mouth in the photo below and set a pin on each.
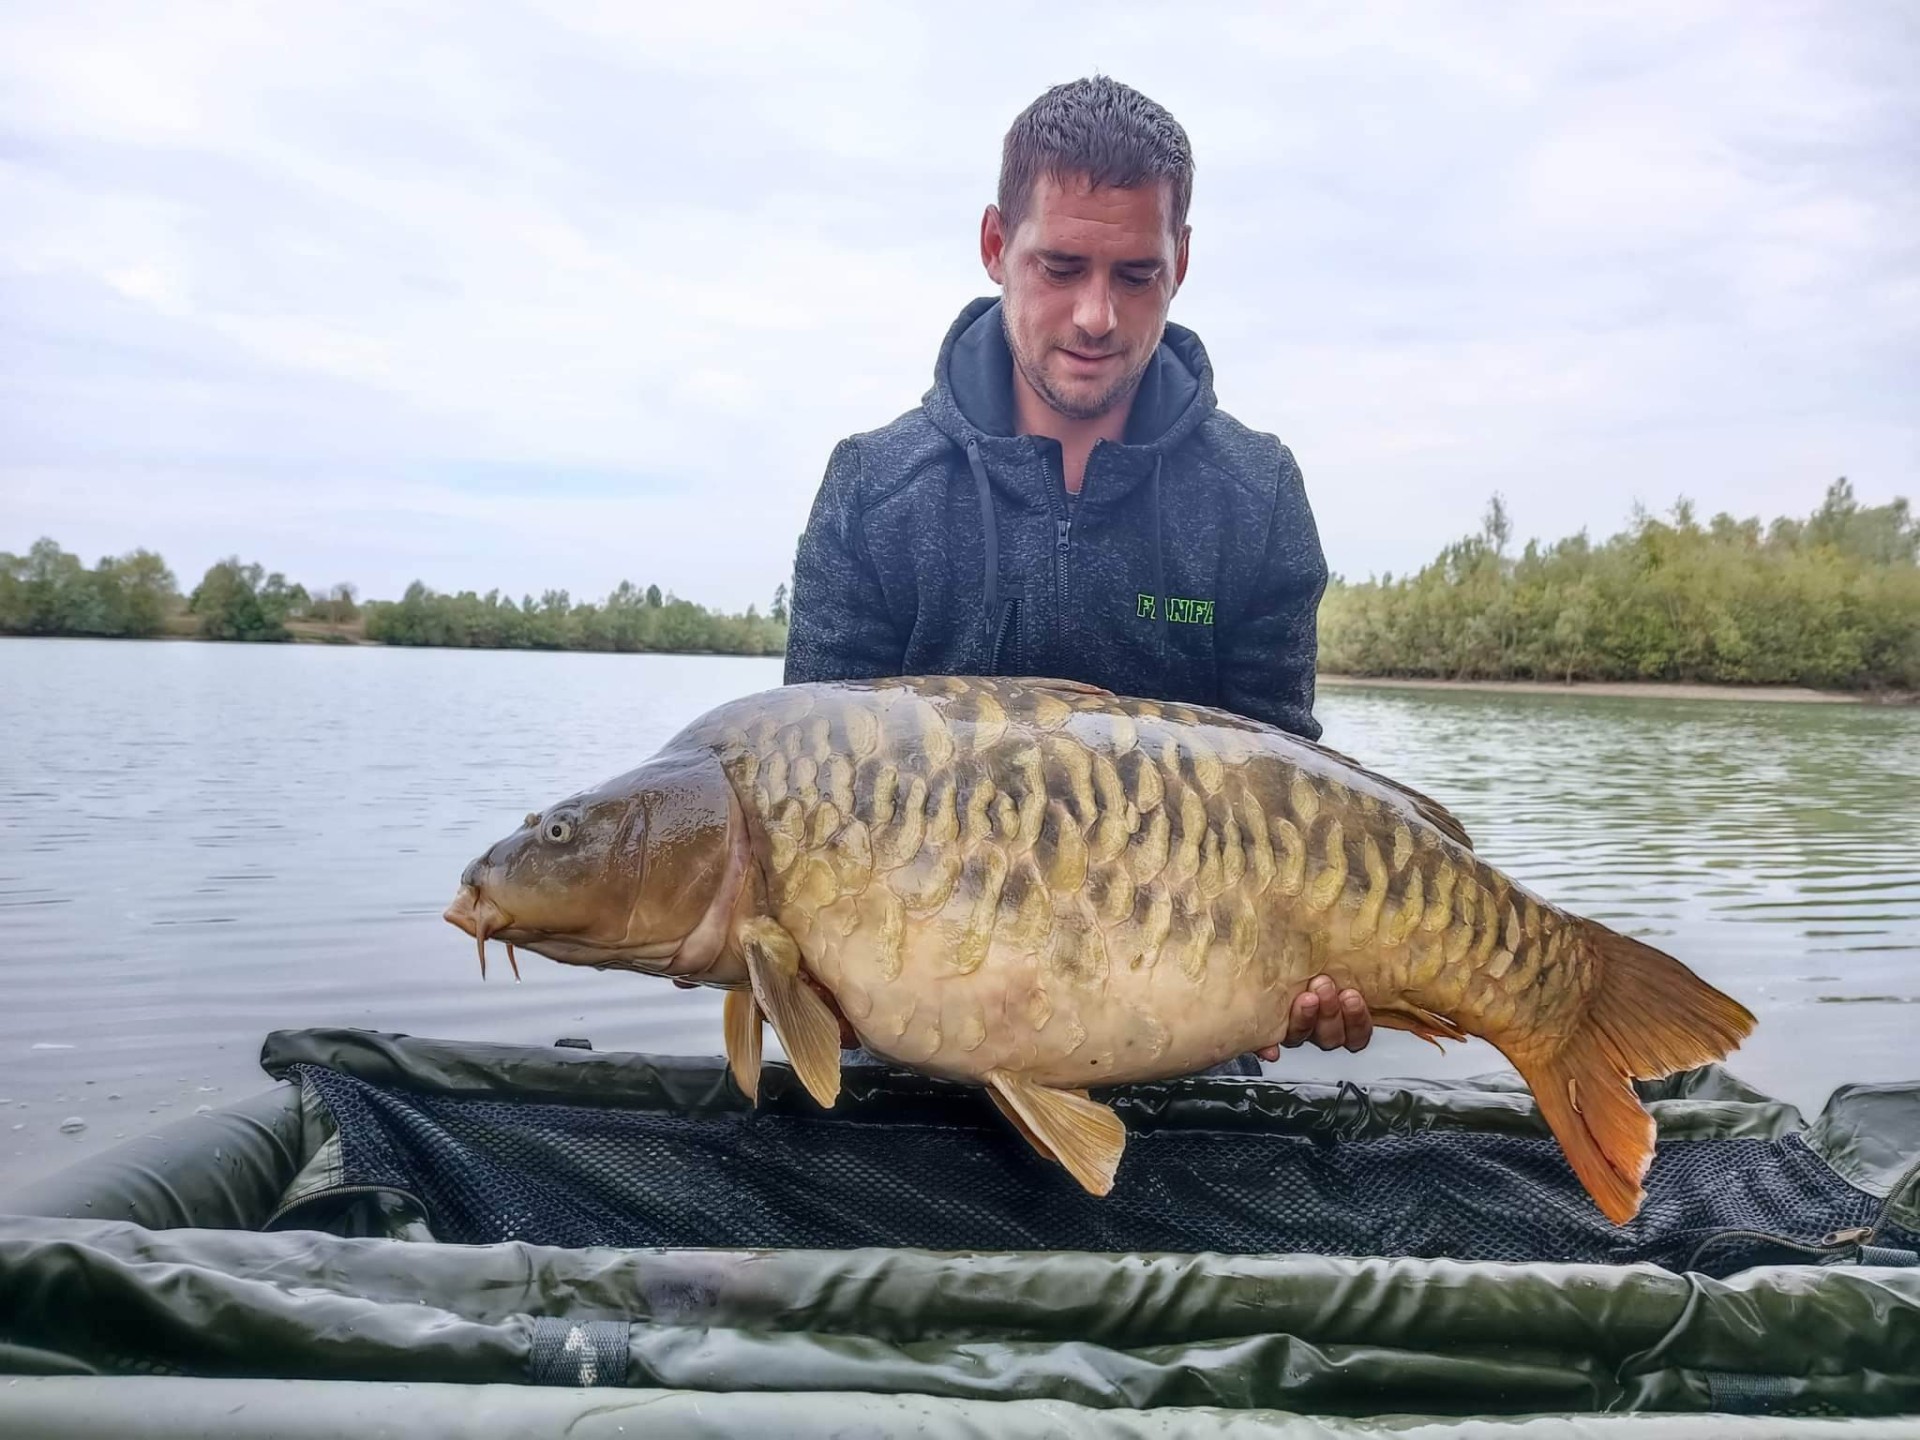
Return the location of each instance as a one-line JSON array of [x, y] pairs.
[[481, 918]]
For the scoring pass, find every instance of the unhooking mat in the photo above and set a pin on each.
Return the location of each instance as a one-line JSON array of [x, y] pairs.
[[566, 1147]]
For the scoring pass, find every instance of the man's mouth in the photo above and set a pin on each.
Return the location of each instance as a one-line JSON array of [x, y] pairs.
[[1087, 365]]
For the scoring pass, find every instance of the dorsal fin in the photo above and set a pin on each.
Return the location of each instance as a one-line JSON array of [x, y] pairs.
[[1430, 810], [1050, 682]]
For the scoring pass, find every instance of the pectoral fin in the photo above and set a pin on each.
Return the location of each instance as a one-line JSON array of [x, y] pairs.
[[742, 1017], [804, 1023], [1064, 1125]]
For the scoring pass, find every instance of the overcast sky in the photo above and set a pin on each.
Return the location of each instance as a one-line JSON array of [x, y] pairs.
[[553, 295]]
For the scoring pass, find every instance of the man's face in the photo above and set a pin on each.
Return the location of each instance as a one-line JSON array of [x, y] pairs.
[[1086, 280]]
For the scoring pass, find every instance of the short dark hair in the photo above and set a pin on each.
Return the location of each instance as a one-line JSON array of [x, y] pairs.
[[1100, 129]]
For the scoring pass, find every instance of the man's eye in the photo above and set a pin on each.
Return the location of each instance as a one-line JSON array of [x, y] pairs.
[[1135, 280], [1056, 274]]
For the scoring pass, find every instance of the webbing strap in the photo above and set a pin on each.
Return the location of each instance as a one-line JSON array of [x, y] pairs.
[[1887, 1255], [1748, 1394], [578, 1352]]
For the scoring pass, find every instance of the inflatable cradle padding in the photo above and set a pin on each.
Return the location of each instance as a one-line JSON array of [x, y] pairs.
[[439, 1214]]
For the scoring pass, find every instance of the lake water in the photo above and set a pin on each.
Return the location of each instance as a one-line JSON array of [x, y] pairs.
[[201, 843]]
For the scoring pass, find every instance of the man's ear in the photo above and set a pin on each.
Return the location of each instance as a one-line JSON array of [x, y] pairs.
[[993, 244], [1180, 258]]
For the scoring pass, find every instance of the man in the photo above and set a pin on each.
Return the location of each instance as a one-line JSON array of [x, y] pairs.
[[1068, 499]]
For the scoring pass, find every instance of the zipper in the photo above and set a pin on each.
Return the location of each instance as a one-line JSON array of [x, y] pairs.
[[1836, 1242], [1009, 622], [1062, 534], [1062, 537]]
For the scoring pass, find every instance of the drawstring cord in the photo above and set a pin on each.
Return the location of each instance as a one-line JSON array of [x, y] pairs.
[[1159, 559], [990, 530]]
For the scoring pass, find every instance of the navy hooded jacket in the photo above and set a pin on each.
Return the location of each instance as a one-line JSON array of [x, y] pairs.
[[1187, 568]]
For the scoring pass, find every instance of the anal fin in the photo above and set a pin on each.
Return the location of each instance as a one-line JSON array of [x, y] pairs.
[[1403, 1014], [1082, 1134], [742, 1026], [1001, 1104], [806, 1026]]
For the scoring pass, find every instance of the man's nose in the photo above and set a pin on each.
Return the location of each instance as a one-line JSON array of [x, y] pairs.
[[1093, 310]]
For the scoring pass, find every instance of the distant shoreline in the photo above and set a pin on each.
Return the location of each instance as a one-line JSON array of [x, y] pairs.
[[1634, 689], [300, 634], [307, 633]]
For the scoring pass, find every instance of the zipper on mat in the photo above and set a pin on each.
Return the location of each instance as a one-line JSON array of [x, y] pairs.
[[1836, 1243], [1851, 1237]]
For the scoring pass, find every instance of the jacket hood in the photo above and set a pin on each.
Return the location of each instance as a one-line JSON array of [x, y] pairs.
[[972, 395], [971, 403]]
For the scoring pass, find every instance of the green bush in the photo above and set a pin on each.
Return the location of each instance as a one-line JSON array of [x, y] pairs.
[[1831, 601], [241, 602], [49, 592]]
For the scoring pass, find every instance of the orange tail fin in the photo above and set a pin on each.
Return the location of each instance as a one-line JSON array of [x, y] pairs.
[[1647, 1016]]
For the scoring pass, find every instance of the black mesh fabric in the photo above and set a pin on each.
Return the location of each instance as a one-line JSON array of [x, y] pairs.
[[488, 1169]]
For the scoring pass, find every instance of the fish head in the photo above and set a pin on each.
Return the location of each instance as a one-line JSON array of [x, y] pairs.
[[641, 873]]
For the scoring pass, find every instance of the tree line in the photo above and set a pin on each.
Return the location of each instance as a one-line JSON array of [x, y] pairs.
[[1831, 601], [630, 620], [49, 591]]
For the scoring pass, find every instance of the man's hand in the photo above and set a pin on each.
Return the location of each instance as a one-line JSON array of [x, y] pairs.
[[1331, 1018]]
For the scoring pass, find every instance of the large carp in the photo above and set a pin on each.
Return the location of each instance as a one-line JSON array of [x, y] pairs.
[[1040, 887]]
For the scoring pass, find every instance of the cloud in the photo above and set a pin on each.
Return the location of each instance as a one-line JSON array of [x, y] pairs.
[[554, 295]]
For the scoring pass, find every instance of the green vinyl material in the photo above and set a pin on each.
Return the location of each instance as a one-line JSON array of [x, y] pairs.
[[140, 1292], [64, 1409]]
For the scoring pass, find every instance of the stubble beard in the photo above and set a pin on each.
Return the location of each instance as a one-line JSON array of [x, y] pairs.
[[1031, 371]]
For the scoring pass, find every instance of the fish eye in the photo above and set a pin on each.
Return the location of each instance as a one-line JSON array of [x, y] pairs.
[[559, 830]]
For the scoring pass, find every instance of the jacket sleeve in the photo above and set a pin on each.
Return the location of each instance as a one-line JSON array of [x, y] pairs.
[[1267, 662], [839, 626]]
